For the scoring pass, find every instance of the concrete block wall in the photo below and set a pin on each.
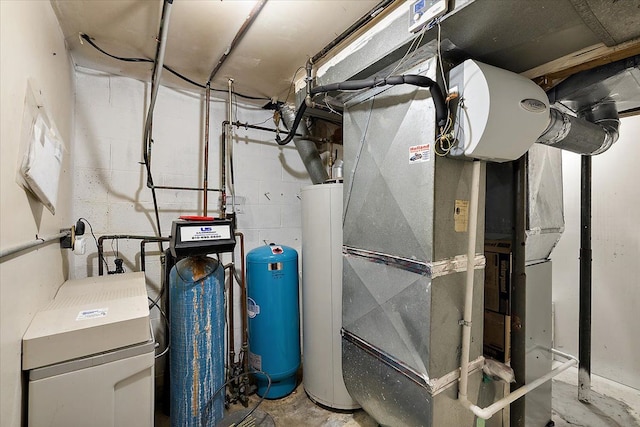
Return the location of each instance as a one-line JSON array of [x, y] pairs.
[[110, 183]]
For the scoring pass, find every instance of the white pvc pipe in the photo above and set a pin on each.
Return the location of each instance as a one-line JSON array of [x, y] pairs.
[[468, 297], [489, 411], [32, 244]]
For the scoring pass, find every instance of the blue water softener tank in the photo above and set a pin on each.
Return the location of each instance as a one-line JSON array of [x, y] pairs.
[[197, 342], [274, 325]]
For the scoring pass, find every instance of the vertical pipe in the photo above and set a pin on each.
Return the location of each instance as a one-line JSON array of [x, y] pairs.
[[155, 84], [232, 326], [143, 257], [229, 141], [100, 256], [470, 274], [205, 182], [584, 333], [223, 168], [243, 302], [519, 290]]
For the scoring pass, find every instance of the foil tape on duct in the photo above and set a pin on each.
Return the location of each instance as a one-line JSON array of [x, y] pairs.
[[403, 290], [545, 210]]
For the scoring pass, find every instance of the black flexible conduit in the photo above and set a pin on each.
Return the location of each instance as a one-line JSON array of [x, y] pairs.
[[412, 79]]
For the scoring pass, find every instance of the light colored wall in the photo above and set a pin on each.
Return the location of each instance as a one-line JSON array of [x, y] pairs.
[[32, 46], [616, 259], [110, 187]]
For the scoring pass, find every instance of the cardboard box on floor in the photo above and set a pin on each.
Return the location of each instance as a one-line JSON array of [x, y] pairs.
[[497, 336], [497, 280]]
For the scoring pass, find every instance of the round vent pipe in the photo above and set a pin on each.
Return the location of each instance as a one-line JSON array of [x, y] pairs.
[[593, 132], [306, 148]]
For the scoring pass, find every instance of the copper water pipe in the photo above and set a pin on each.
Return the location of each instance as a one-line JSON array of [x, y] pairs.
[[243, 302], [231, 333]]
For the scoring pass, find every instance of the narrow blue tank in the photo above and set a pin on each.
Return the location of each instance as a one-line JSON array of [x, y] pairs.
[[274, 318], [197, 342]]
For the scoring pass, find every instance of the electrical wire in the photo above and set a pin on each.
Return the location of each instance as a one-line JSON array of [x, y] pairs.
[[357, 160], [95, 240], [417, 38], [445, 140], [439, 53], [167, 325], [206, 414], [89, 40], [293, 79], [326, 103]]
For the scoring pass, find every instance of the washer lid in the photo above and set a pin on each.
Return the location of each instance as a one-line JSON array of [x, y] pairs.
[[86, 317]]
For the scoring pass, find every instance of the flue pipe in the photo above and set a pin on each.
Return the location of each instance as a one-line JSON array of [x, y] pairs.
[[306, 148]]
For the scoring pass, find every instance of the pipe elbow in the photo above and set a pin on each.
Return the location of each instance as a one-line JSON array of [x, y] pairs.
[[593, 132]]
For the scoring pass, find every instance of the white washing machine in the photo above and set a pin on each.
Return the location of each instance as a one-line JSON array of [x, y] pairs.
[[90, 354]]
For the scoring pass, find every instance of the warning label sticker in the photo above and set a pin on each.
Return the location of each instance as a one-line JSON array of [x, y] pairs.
[[419, 153], [461, 216]]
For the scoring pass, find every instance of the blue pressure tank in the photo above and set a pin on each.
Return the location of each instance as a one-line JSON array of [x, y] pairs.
[[196, 287], [274, 318]]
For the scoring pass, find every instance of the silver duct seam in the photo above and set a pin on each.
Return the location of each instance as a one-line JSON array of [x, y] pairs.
[[593, 134], [306, 148]]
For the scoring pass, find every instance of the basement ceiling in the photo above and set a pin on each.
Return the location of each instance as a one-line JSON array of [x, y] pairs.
[[282, 37]]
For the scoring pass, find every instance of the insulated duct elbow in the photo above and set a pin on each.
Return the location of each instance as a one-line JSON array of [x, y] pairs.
[[594, 132], [306, 148]]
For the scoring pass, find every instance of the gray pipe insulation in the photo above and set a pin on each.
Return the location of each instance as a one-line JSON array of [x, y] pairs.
[[593, 132], [306, 148]]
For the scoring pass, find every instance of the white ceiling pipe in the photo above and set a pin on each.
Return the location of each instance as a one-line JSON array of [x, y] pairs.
[[468, 297]]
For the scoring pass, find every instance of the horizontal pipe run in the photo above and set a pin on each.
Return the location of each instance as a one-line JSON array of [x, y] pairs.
[[256, 127], [168, 187], [489, 411], [101, 239], [32, 244], [411, 79]]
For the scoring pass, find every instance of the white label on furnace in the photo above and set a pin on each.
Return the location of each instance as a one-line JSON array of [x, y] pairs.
[[92, 314], [205, 232], [419, 153]]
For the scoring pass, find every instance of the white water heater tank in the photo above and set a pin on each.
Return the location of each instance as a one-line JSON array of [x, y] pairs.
[[498, 115], [322, 296]]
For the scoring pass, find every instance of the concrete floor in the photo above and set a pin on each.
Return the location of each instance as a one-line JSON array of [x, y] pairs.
[[612, 405]]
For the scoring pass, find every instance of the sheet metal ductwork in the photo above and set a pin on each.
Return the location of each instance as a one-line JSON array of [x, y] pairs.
[[306, 148], [593, 134]]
